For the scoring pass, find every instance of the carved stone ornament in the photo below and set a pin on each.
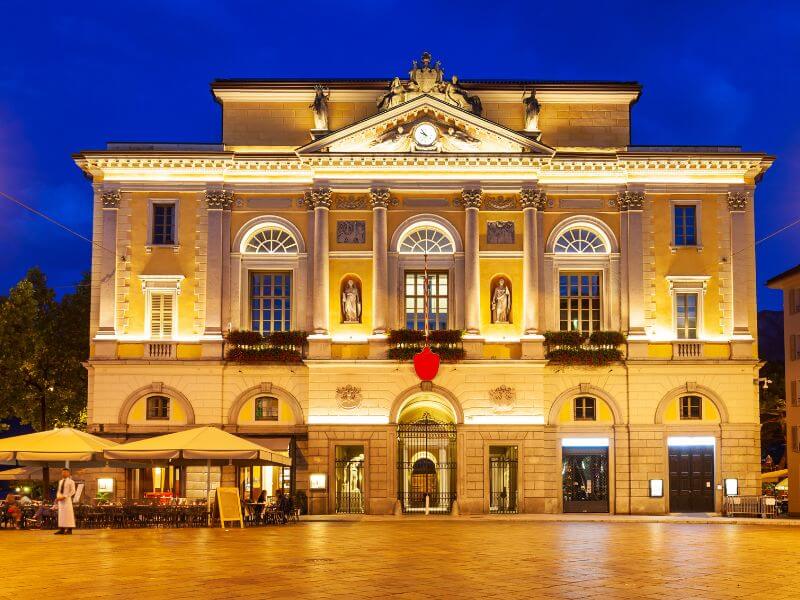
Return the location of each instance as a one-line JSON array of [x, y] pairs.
[[320, 197], [351, 202], [628, 200], [348, 397], [503, 398], [351, 232], [500, 232], [380, 198], [219, 199], [737, 201], [500, 202], [533, 198], [426, 79], [111, 199], [470, 199]]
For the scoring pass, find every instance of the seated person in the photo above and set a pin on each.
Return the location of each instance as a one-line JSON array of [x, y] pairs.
[[13, 510], [261, 504]]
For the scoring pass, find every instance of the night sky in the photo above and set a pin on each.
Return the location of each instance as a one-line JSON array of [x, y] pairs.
[[74, 75]]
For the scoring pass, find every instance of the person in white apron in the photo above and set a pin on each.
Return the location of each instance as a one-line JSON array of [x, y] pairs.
[[64, 494]]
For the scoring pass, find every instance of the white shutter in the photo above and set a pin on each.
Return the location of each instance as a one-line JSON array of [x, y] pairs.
[[162, 306]]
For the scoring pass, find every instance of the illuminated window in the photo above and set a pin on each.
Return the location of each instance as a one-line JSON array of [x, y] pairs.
[[685, 224], [272, 240], [438, 303], [585, 408], [580, 240], [426, 240], [266, 408], [270, 302], [163, 224], [157, 408], [579, 302], [686, 316], [691, 407]]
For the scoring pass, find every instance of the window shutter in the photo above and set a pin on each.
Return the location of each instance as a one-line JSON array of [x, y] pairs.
[[795, 398], [161, 313], [795, 439]]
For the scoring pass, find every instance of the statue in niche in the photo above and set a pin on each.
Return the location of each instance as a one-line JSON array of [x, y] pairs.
[[501, 302], [395, 95], [351, 303], [460, 97], [352, 482], [320, 107], [532, 108]]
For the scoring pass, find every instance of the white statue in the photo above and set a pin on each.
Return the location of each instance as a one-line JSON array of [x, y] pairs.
[[351, 303], [501, 302], [396, 95], [320, 107], [531, 112], [352, 483]]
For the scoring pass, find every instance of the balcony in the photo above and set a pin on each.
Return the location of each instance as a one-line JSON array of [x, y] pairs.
[[161, 351], [578, 348], [278, 346], [405, 343], [687, 350]]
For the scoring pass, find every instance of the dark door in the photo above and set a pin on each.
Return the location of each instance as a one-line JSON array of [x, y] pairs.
[[691, 479], [584, 473]]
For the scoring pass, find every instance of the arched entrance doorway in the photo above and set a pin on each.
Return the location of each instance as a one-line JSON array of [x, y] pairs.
[[426, 455]]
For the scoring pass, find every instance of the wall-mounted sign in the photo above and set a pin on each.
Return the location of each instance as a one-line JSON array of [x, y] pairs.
[[318, 481]]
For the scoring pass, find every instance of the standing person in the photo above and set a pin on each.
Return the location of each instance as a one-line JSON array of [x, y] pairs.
[[66, 515]]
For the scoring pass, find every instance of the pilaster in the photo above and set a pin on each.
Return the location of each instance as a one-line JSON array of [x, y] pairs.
[[471, 200], [741, 264]]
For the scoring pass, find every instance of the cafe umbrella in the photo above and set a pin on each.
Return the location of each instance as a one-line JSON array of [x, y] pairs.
[[209, 444]]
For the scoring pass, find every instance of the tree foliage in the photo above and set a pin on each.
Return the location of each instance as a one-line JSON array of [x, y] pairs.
[[772, 401], [43, 342]]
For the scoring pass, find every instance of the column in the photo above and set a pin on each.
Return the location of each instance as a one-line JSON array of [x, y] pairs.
[[379, 199], [741, 261], [108, 265], [218, 203], [321, 201], [632, 203], [471, 200], [532, 200]]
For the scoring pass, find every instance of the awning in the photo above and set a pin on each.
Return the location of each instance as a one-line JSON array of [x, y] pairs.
[[201, 443], [274, 444], [774, 476], [65, 444], [21, 474], [783, 486]]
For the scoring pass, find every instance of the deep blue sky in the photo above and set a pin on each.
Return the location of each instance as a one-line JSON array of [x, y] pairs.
[[74, 75]]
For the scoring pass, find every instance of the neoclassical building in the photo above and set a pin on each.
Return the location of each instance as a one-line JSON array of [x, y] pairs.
[[593, 302]]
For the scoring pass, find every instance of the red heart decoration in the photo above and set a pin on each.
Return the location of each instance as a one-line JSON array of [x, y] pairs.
[[426, 364]]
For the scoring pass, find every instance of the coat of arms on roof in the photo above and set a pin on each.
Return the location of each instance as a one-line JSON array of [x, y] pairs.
[[427, 79]]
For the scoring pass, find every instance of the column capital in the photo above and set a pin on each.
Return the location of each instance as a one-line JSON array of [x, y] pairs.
[[629, 200], [738, 201], [379, 198], [219, 199], [111, 199], [318, 197], [533, 198], [472, 198]]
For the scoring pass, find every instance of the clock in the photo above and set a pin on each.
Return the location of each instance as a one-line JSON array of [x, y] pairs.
[[425, 134]]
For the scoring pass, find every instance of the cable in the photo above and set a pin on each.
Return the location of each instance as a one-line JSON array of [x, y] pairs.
[[765, 238]]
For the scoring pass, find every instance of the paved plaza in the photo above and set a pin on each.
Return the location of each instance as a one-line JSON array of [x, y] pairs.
[[409, 559]]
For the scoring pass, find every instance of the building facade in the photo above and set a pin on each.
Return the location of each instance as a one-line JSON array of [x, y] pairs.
[[789, 283], [331, 206]]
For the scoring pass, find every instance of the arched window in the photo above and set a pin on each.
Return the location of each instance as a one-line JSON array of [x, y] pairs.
[[580, 240], [272, 240], [157, 408], [426, 239]]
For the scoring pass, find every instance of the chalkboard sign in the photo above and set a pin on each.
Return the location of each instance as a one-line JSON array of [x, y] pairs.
[[229, 506]]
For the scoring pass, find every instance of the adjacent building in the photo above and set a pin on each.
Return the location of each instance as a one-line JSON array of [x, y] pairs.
[[336, 215], [789, 283]]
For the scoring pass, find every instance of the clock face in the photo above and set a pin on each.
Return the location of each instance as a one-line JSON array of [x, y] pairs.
[[425, 134]]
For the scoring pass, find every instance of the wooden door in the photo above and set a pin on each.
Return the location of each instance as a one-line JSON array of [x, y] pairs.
[[691, 479]]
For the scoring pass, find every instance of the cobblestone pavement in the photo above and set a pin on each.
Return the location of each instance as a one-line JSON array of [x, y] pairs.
[[408, 559]]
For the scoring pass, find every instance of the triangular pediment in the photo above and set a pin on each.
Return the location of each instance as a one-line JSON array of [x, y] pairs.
[[455, 130]]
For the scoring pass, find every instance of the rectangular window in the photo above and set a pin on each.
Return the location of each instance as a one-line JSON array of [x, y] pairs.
[[794, 350], [686, 316], [585, 409], [162, 315], [163, 224], [685, 220], [794, 301], [691, 407], [795, 391], [795, 438], [438, 303], [157, 408], [579, 302], [266, 409], [270, 302]]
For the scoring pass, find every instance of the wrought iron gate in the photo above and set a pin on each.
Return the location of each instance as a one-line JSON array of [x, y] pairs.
[[426, 465], [585, 479], [503, 479]]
